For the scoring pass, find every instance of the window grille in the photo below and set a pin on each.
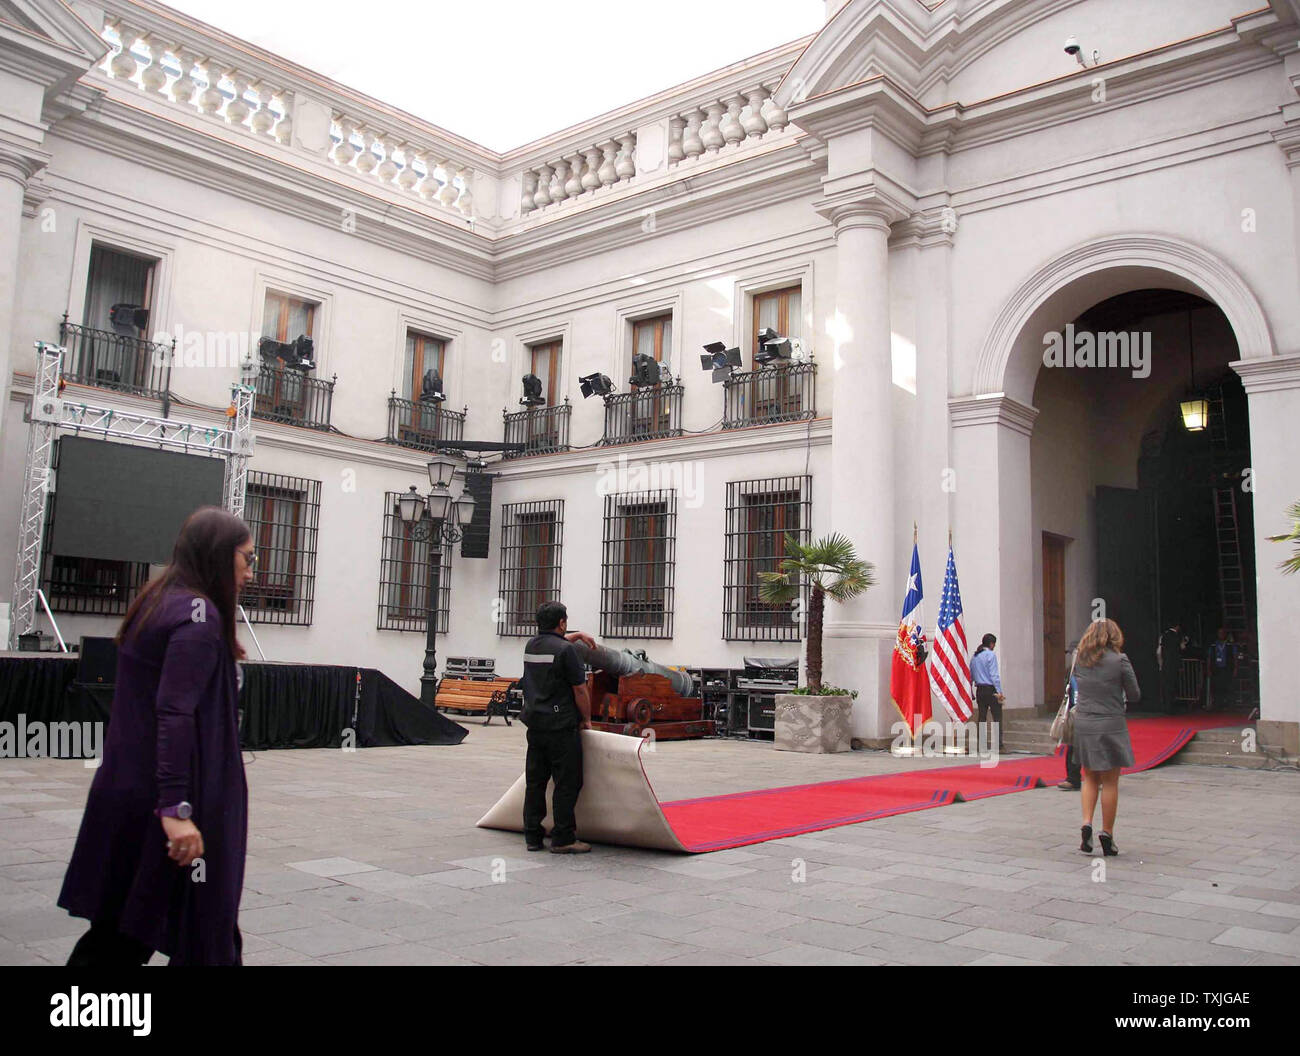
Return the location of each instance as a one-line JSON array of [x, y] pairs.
[[532, 537], [759, 515], [637, 565], [404, 576], [283, 514]]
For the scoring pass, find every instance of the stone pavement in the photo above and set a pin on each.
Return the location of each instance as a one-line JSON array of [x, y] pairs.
[[371, 857]]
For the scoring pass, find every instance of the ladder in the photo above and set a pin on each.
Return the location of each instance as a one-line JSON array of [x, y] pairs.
[[1232, 587]]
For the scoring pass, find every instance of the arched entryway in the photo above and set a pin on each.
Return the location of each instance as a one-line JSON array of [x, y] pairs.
[[1141, 495], [1066, 452]]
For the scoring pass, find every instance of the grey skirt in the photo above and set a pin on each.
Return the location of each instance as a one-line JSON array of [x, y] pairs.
[[1102, 743]]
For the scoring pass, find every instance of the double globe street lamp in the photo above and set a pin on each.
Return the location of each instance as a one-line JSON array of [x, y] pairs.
[[435, 519]]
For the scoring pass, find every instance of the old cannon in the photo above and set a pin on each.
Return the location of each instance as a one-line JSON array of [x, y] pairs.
[[630, 693]]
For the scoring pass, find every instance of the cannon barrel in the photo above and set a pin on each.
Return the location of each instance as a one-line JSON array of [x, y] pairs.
[[619, 662]]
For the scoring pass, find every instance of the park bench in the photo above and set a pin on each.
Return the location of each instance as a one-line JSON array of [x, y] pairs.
[[472, 696]]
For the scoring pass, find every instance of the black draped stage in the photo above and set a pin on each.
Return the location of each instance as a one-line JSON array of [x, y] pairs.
[[283, 705]]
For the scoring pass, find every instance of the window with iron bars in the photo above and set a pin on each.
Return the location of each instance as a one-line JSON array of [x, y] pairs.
[[404, 576], [759, 515], [637, 565], [532, 538], [283, 514]]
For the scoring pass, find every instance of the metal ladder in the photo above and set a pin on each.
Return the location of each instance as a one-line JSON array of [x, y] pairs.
[[1232, 587]]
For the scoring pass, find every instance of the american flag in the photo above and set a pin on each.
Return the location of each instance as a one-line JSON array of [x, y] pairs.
[[949, 663]]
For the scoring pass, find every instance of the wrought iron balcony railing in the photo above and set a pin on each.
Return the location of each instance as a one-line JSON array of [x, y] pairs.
[[542, 430], [293, 397], [423, 425], [652, 413], [769, 395], [115, 361]]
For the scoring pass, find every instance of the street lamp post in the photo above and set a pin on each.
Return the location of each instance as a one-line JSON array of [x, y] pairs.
[[435, 518]]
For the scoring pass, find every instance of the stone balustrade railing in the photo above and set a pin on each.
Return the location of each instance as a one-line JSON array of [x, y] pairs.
[[714, 127], [219, 90], [580, 173]]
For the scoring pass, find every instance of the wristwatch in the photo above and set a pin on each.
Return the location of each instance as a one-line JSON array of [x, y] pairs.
[[181, 810]]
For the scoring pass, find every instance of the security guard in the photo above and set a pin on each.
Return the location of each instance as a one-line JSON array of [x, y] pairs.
[[556, 708]]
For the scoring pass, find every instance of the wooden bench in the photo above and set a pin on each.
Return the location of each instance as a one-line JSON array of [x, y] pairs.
[[475, 696]]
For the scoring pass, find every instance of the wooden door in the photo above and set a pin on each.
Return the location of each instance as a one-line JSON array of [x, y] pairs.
[[1053, 617]]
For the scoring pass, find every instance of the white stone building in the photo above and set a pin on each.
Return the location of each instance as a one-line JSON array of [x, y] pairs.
[[923, 194]]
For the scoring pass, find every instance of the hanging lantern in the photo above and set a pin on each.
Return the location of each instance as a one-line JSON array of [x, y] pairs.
[[1196, 413]]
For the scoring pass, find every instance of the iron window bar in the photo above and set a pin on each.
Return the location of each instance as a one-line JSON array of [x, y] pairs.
[[283, 514], [404, 576], [651, 413], [760, 513], [638, 562], [532, 540]]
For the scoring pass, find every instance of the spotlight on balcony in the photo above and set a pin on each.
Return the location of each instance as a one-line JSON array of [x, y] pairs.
[[645, 371], [532, 391], [296, 355], [431, 387], [771, 347], [595, 385], [128, 317], [303, 352], [720, 359]]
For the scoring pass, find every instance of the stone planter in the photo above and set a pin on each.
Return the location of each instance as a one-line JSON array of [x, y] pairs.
[[806, 723]]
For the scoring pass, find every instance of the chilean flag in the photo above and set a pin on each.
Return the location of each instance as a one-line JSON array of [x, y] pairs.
[[909, 682]]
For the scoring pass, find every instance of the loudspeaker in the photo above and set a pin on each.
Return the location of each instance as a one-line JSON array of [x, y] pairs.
[[97, 662]]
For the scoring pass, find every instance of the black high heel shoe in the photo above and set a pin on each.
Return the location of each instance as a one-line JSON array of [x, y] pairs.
[[1108, 847], [1085, 844]]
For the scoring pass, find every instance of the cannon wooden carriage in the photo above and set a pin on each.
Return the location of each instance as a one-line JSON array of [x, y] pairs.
[[634, 703]]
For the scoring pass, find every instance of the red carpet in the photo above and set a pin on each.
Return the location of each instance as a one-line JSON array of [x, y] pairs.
[[714, 823]]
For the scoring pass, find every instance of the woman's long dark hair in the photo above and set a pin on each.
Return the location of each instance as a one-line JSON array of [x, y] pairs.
[[203, 561]]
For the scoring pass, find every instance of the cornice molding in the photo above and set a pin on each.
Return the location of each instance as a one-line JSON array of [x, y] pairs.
[[992, 409], [1273, 374]]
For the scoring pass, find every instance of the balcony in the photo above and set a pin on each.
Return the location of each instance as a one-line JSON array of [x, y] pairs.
[[115, 361], [653, 413], [292, 397], [423, 425], [542, 430], [770, 395]]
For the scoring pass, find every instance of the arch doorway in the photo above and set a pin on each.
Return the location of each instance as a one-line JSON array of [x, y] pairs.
[[1142, 511]]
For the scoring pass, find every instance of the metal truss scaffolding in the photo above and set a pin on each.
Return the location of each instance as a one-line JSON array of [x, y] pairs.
[[52, 414]]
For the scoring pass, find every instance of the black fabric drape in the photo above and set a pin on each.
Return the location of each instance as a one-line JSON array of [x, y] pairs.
[[283, 705]]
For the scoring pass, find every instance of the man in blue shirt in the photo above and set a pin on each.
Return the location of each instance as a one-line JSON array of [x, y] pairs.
[[988, 684]]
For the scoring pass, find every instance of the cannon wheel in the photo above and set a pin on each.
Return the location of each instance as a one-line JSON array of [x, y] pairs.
[[641, 712]]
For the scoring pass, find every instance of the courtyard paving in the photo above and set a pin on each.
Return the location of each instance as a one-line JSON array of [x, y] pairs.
[[372, 857]]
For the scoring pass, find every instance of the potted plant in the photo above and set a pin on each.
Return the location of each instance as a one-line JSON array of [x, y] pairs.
[[1292, 563], [816, 718]]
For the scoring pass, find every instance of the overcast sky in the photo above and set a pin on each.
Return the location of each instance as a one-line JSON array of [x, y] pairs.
[[505, 72]]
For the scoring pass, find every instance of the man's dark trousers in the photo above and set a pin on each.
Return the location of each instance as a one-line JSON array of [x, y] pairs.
[[552, 754], [1073, 768]]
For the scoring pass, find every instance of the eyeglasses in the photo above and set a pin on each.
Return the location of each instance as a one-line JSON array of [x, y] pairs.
[[250, 558]]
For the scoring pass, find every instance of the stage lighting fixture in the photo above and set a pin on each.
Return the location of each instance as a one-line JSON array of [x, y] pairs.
[[532, 391], [128, 316], [431, 387], [720, 359], [303, 348], [595, 385], [645, 371], [771, 347]]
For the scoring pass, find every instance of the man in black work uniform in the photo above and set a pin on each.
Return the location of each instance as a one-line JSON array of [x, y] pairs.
[[556, 710]]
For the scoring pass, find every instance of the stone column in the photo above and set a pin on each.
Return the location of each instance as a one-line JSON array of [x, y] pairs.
[[859, 635], [1273, 395], [16, 168], [992, 519]]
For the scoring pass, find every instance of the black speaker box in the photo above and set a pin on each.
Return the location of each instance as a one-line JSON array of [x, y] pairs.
[[97, 662]]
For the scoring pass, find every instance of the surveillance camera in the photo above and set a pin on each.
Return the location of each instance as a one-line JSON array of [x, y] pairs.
[[1072, 46]]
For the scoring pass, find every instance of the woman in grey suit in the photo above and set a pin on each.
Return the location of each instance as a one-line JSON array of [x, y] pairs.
[[1106, 682]]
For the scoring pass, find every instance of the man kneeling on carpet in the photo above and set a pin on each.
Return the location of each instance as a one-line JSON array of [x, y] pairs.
[[1106, 683], [557, 708]]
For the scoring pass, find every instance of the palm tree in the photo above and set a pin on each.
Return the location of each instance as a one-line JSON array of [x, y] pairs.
[[1291, 564], [829, 566]]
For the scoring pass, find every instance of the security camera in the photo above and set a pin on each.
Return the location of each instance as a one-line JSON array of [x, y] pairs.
[[1072, 46]]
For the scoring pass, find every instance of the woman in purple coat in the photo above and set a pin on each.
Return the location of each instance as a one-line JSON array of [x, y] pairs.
[[159, 860]]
